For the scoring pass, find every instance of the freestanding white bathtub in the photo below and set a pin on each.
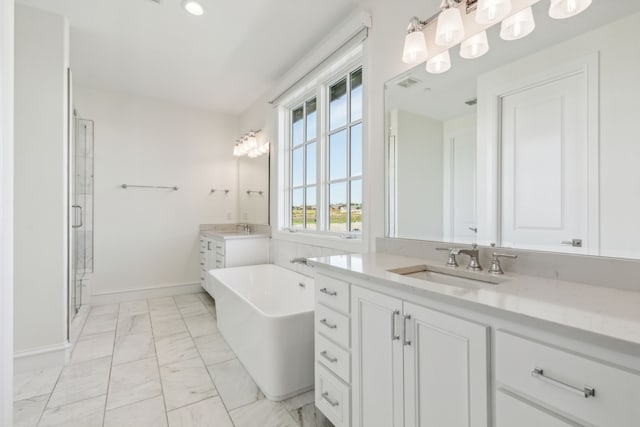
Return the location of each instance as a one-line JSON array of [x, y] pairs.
[[265, 313]]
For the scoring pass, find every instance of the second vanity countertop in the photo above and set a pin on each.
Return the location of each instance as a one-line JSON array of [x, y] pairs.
[[231, 235], [609, 312]]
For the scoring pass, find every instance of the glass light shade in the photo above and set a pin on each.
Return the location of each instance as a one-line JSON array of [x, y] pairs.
[[561, 9], [439, 64], [518, 26], [475, 47], [492, 11], [193, 7], [415, 48], [450, 29]]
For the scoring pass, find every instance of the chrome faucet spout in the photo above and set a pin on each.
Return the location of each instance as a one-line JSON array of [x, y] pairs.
[[302, 261], [474, 257]]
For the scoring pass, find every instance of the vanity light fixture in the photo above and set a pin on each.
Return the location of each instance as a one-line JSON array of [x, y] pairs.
[[249, 146], [475, 47], [440, 63], [492, 11], [415, 45], [562, 9], [193, 7], [518, 26], [450, 29]]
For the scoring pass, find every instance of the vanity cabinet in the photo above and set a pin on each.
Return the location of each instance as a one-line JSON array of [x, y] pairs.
[[389, 354], [219, 251], [416, 367]]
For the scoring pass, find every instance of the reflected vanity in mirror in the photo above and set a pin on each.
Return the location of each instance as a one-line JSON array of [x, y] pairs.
[[534, 145]]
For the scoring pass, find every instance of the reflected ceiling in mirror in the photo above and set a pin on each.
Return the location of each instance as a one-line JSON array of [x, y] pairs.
[[531, 146]]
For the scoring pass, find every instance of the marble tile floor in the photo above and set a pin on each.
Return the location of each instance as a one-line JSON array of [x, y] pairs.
[[154, 363]]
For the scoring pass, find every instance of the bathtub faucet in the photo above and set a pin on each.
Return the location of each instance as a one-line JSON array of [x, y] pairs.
[[302, 261]]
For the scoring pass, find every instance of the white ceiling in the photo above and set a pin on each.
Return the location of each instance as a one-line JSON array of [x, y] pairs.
[[443, 96], [221, 61]]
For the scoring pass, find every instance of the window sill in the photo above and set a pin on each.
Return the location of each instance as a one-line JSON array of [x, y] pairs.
[[332, 241]]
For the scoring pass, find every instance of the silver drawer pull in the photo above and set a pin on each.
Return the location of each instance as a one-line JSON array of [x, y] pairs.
[[585, 392], [328, 292], [328, 325], [394, 333], [406, 340], [332, 402], [329, 358]]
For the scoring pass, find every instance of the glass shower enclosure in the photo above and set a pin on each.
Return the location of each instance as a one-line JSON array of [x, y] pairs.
[[81, 212]]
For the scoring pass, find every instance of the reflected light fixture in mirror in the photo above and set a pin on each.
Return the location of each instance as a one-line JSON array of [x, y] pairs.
[[475, 47], [518, 26], [562, 9], [439, 64], [492, 11], [193, 7], [450, 29], [415, 45]]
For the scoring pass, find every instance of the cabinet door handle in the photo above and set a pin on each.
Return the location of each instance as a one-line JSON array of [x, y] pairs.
[[80, 209], [394, 327], [329, 358], [328, 325], [585, 391], [332, 402], [202, 263], [208, 246], [407, 319], [328, 292]]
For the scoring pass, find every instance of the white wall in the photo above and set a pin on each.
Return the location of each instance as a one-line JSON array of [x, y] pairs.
[[419, 145], [41, 55], [149, 238], [6, 212]]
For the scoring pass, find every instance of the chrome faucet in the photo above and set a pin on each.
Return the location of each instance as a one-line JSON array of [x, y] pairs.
[[496, 268], [246, 228], [474, 253], [302, 261]]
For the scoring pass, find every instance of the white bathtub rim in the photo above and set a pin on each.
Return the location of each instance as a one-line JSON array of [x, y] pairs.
[[255, 307]]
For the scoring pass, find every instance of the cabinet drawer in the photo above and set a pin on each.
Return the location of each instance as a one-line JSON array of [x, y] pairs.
[[333, 357], [565, 379], [332, 325], [333, 293], [220, 246], [512, 412], [332, 397]]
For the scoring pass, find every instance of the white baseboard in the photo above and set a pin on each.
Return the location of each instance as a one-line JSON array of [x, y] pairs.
[[42, 358], [145, 293]]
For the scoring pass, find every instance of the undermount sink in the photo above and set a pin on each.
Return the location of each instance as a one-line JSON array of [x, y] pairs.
[[449, 276]]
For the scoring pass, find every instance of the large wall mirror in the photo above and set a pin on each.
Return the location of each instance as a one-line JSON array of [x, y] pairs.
[[253, 187], [535, 145]]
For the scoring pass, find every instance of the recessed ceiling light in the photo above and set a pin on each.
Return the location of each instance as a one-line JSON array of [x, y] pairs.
[[193, 7]]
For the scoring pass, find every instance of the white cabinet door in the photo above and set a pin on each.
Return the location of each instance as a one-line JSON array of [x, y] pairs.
[[377, 359], [445, 370]]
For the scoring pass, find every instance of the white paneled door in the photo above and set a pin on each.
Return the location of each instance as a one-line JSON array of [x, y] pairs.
[[545, 169], [459, 192]]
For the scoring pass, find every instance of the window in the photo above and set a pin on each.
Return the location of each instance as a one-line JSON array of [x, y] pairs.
[[325, 158], [304, 155]]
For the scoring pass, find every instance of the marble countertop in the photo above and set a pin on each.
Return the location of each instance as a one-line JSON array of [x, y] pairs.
[[230, 235], [609, 312]]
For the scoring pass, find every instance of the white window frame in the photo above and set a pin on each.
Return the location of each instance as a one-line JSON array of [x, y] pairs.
[[321, 92]]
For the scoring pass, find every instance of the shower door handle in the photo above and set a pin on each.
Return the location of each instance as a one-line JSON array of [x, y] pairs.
[[81, 223]]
